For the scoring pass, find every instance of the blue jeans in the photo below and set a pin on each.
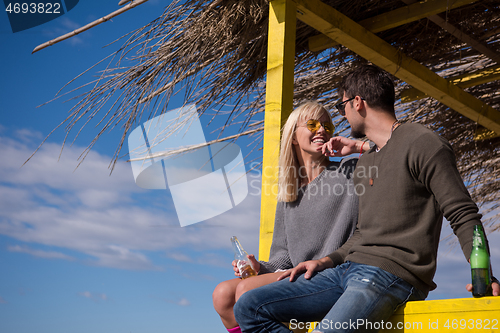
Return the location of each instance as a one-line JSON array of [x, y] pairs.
[[348, 298]]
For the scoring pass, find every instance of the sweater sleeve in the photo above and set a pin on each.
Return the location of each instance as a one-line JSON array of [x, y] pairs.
[[338, 256], [440, 175], [279, 257]]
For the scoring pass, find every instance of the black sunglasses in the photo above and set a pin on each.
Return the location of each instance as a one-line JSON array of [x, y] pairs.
[[341, 106]]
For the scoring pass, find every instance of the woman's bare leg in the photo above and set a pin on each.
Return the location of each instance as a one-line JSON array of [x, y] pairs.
[[223, 298], [227, 292], [249, 284]]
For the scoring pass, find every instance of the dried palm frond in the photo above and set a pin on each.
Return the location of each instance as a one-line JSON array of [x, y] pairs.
[[215, 53]]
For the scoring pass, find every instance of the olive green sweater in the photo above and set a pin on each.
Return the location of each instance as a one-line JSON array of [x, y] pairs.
[[415, 183]]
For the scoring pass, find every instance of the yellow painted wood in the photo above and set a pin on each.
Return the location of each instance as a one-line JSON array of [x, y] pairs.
[[392, 19], [450, 315], [350, 34], [279, 104], [472, 79], [485, 134]]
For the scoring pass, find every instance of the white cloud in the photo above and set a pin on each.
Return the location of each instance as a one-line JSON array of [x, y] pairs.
[[94, 296], [40, 253], [107, 218], [65, 26], [45, 168], [99, 198], [181, 302], [180, 257], [86, 294], [121, 257], [69, 24], [26, 135], [204, 258]]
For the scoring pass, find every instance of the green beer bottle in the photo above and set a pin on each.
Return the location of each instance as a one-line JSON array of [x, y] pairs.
[[480, 264]]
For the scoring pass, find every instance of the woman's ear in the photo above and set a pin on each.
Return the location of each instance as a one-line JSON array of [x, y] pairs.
[[294, 139]]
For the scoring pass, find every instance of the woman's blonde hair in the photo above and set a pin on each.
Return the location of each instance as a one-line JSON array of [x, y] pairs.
[[289, 168]]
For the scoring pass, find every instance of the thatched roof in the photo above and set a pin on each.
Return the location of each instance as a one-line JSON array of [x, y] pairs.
[[216, 51]]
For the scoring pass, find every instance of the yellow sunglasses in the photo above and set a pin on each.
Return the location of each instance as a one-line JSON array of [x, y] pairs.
[[314, 125]]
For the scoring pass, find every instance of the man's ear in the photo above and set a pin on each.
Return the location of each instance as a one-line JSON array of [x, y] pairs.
[[360, 106], [359, 103]]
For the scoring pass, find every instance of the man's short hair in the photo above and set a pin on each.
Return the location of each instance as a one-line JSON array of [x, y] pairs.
[[372, 84]]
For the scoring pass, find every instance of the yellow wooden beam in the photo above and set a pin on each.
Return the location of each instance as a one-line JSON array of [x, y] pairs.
[[444, 23], [392, 19], [467, 80], [350, 34], [485, 134], [450, 315], [279, 104]]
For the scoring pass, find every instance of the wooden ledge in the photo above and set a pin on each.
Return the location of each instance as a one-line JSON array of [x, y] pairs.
[[448, 315]]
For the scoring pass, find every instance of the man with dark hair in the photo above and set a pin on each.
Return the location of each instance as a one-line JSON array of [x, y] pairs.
[[376, 87], [409, 180]]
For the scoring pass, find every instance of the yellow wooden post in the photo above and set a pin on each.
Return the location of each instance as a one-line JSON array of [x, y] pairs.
[[279, 104]]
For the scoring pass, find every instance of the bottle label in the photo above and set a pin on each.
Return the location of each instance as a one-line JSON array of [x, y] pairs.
[[477, 239], [246, 269], [481, 282]]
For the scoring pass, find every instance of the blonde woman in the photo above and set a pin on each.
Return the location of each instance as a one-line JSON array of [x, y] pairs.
[[317, 205]]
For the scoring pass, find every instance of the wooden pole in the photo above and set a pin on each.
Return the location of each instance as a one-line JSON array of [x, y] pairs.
[[279, 104], [89, 26]]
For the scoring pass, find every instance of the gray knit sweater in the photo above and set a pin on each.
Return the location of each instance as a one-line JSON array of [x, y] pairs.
[[322, 218]]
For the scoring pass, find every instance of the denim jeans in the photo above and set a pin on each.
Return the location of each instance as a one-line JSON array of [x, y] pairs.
[[348, 298]]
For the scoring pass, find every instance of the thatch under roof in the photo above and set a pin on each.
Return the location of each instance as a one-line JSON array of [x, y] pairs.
[[216, 51]]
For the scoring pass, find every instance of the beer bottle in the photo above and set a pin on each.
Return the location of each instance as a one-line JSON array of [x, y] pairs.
[[240, 255], [480, 264]]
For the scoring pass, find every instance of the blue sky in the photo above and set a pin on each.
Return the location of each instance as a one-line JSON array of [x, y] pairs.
[[85, 251]]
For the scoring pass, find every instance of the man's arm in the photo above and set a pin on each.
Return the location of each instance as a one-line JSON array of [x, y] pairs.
[[333, 259], [441, 176]]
